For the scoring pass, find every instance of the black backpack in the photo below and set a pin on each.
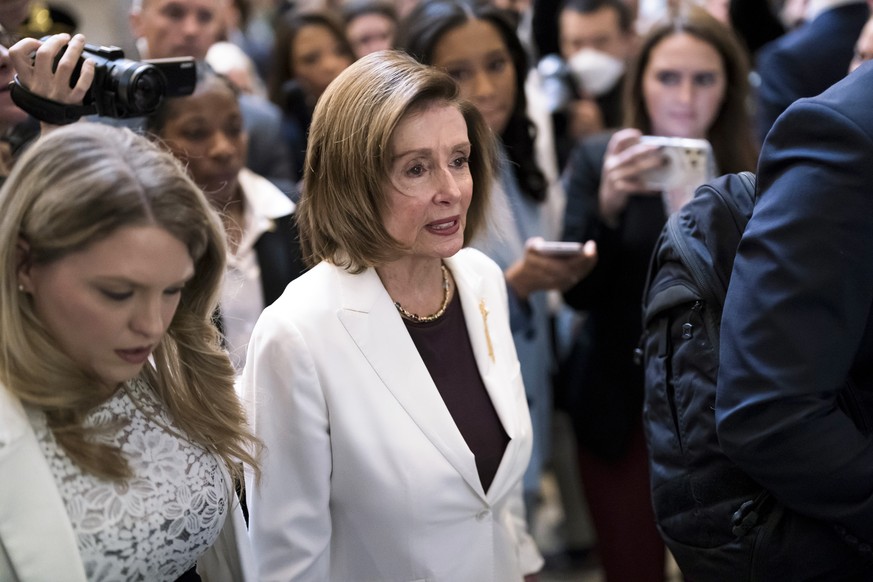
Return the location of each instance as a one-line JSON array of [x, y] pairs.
[[704, 504]]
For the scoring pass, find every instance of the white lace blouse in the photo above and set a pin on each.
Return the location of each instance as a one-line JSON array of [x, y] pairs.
[[155, 525]]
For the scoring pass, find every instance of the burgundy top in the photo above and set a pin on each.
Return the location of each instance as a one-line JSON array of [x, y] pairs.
[[445, 347]]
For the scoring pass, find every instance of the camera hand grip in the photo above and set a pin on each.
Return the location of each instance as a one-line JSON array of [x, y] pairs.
[[53, 112]]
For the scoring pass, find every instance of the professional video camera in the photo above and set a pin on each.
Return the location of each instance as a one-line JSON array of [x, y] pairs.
[[121, 88]]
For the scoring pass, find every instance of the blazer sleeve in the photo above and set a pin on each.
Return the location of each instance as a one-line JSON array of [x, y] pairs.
[[529, 557], [797, 315], [289, 516]]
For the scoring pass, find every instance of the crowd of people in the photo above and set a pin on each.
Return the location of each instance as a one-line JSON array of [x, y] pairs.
[[299, 324]]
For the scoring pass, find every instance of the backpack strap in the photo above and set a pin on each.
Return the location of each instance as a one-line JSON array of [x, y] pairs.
[[712, 289], [744, 195]]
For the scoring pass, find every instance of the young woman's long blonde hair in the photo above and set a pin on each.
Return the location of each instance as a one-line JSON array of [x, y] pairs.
[[72, 188]]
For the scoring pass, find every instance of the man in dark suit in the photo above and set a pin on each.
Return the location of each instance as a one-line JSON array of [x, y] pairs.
[[794, 407], [809, 59]]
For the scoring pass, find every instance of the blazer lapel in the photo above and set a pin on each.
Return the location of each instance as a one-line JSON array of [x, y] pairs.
[[34, 528], [487, 339], [372, 321]]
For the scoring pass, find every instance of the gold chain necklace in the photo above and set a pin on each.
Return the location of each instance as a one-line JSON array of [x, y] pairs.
[[440, 311]]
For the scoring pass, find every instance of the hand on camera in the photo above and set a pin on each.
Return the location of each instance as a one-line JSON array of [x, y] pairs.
[[34, 59]]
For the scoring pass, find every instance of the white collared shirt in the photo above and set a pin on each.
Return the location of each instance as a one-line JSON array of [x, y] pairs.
[[242, 297]]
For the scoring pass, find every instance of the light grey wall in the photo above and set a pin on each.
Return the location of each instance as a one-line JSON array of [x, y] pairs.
[[102, 21]]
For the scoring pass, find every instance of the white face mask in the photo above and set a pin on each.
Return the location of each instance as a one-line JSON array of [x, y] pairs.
[[595, 72]]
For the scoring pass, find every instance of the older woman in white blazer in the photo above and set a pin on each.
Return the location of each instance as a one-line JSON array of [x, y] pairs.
[[384, 382]]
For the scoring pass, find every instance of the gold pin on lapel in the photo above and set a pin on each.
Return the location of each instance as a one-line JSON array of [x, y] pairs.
[[484, 311]]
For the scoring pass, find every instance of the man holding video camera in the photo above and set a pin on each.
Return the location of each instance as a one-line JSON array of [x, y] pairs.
[[126, 91], [179, 28]]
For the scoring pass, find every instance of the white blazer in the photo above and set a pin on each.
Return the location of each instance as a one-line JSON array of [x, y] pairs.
[[37, 543], [366, 477]]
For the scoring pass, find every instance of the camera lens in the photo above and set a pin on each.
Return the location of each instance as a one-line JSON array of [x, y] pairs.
[[146, 90], [137, 88]]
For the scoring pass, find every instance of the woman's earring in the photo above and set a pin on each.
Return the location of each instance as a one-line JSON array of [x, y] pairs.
[[21, 287]]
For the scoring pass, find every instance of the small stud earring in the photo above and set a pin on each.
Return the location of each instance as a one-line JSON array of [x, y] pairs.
[[21, 287]]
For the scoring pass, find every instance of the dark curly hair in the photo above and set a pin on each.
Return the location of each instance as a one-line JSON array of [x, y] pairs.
[[425, 26]]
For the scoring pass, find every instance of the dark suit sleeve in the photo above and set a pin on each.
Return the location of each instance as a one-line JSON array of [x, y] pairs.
[[795, 321]]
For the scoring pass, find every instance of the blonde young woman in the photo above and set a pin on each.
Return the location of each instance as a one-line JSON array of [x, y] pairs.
[[120, 433], [384, 382]]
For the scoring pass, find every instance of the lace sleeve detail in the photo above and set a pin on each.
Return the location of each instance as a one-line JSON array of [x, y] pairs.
[[156, 524]]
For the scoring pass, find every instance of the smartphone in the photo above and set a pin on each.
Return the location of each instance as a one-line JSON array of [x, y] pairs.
[[556, 248], [688, 163]]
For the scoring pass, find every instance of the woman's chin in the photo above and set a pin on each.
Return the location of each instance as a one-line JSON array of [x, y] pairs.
[[442, 251], [452, 249]]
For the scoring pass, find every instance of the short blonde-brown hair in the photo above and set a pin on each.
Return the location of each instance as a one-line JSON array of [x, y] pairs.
[[348, 158]]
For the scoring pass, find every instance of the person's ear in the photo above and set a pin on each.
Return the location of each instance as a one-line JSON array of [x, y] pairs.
[[23, 263], [135, 20]]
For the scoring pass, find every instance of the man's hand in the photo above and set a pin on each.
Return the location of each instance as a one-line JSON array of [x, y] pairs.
[[34, 65]]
